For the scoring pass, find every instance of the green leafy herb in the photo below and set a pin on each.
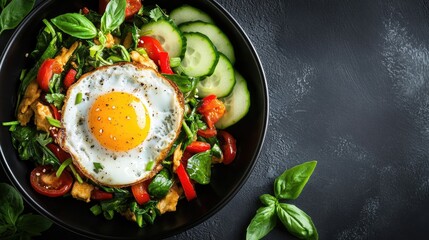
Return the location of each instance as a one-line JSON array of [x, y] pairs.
[[14, 224], [145, 214], [263, 222], [54, 122], [76, 25], [288, 185], [199, 167], [78, 99], [14, 12], [114, 15], [63, 166], [156, 13], [55, 98], [97, 167], [296, 221], [31, 144], [161, 184]]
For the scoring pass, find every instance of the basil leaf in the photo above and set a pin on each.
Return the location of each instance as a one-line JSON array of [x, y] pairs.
[[76, 25], [199, 167], [262, 223], [114, 15], [296, 221], [160, 184], [14, 12], [33, 224], [268, 200], [289, 185], [11, 204]]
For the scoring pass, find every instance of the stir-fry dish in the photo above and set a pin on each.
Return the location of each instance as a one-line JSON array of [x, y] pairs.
[[125, 107]]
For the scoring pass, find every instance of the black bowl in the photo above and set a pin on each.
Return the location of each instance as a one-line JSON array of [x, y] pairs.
[[75, 215]]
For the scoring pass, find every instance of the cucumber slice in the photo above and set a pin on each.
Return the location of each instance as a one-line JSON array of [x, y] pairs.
[[219, 39], [186, 13], [221, 82], [200, 57], [237, 103], [167, 33]]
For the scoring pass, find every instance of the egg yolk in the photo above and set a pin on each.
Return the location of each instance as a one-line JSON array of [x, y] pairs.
[[119, 121]]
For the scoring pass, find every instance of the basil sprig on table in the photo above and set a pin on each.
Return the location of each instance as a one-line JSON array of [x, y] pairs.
[[287, 186], [12, 12], [13, 223]]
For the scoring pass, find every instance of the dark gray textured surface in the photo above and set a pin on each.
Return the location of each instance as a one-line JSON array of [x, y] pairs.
[[348, 83]]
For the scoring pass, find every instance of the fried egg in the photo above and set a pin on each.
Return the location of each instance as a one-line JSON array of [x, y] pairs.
[[125, 125]]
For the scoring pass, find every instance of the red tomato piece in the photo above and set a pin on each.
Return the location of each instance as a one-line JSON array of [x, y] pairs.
[[70, 78], [46, 71], [152, 46], [187, 186], [45, 182], [228, 146], [207, 133], [58, 152], [212, 110], [140, 192], [55, 112], [99, 195], [198, 146], [133, 6], [164, 63]]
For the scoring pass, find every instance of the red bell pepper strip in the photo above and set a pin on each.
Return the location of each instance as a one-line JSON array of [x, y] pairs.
[[56, 114], [164, 63], [187, 186], [140, 192], [97, 194], [198, 146], [207, 133]]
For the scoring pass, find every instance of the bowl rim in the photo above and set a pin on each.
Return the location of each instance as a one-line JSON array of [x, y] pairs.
[[40, 6]]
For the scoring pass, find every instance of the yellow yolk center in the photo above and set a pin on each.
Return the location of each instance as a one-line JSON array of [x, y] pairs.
[[119, 121]]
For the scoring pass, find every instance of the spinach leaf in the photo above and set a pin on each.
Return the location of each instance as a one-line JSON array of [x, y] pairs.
[[12, 204], [262, 223], [186, 84], [296, 221], [33, 224], [114, 15], [14, 13], [199, 167], [289, 185], [76, 25], [145, 214], [161, 184], [13, 225]]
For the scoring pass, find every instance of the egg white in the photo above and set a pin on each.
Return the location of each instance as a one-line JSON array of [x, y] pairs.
[[164, 103]]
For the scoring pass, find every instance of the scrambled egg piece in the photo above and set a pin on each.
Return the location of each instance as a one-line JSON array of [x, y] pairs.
[[25, 112], [144, 60], [169, 202], [82, 191]]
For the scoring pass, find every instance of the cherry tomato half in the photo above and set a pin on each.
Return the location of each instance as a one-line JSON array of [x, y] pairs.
[[140, 192], [133, 6], [212, 110], [228, 146], [207, 133], [45, 182], [46, 71]]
